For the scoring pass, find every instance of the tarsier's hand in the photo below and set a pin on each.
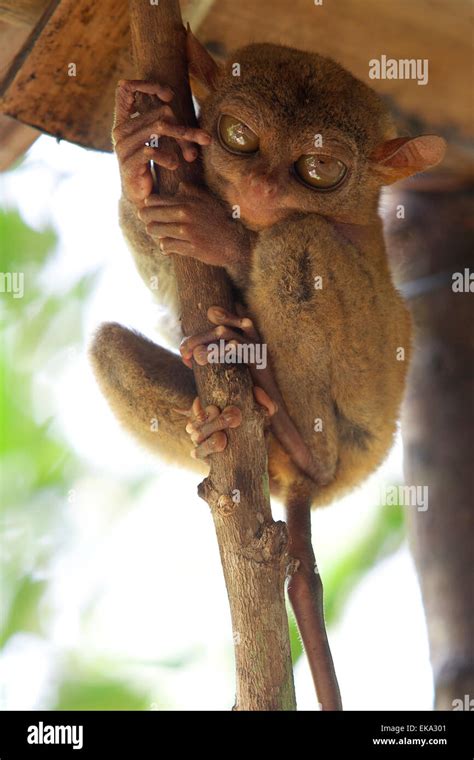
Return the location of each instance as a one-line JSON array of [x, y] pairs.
[[195, 223], [191, 223], [132, 132]]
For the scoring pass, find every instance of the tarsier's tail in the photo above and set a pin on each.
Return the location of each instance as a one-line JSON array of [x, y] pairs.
[[305, 591]]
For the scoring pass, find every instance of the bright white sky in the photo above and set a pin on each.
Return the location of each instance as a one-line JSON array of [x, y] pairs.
[[146, 585]]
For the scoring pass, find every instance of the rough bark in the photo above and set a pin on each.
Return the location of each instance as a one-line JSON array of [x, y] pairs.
[[434, 241], [253, 547]]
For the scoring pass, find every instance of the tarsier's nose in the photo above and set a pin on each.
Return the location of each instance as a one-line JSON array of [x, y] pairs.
[[263, 185]]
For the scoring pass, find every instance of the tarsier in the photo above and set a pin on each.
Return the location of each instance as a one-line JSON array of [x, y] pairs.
[[300, 149]]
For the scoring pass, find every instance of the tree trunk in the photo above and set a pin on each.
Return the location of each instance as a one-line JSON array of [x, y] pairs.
[[253, 547], [435, 241]]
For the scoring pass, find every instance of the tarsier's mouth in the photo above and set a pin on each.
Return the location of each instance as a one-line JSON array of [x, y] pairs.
[[255, 209], [260, 217]]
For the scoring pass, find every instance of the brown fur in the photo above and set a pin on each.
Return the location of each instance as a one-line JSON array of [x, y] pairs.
[[333, 350]]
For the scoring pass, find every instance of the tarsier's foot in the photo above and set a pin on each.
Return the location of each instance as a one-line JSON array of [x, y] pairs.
[[237, 329], [231, 328], [206, 427]]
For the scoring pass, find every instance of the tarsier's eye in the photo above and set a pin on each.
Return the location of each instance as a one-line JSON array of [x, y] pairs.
[[236, 136], [321, 172]]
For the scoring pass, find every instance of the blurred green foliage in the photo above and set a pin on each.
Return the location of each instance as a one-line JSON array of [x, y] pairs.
[[95, 689], [37, 465]]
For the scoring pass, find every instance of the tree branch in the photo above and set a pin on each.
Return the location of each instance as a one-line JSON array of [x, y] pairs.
[[253, 547]]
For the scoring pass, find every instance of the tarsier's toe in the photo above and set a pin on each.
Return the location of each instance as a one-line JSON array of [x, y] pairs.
[[262, 398], [203, 424], [212, 445], [206, 428]]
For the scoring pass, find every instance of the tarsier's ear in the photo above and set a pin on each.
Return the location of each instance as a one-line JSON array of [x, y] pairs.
[[203, 69], [404, 156]]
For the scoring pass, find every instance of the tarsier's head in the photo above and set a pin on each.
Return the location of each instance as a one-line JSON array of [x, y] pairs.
[[294, 131]]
